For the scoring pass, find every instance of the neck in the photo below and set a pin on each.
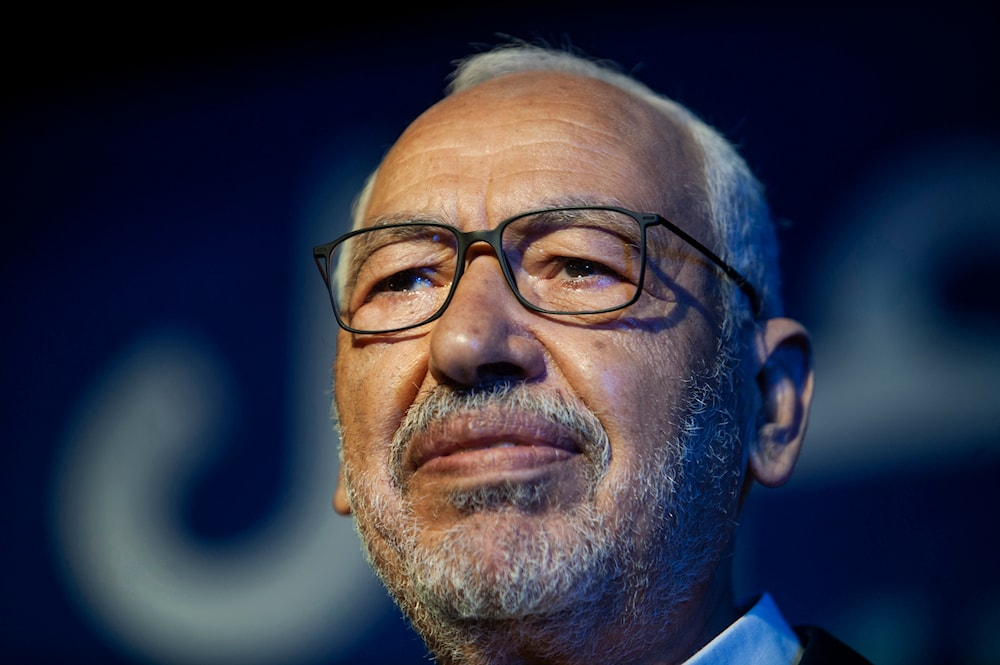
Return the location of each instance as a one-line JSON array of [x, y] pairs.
[[626, 636]]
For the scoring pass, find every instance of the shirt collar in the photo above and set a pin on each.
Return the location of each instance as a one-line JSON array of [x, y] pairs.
[[759, 637]]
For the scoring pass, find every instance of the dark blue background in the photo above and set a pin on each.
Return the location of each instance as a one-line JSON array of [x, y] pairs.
[[155, 170]]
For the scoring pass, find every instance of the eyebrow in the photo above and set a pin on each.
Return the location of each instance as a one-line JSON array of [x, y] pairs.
[[365, 244], [590, 214]]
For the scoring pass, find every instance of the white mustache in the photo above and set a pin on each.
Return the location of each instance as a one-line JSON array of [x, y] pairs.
[[444, 403]]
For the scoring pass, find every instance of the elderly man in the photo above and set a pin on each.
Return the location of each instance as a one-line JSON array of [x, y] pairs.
[[562, 365]]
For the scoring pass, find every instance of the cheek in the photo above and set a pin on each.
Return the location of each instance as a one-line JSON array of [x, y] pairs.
[[374, 384], [631, 381]]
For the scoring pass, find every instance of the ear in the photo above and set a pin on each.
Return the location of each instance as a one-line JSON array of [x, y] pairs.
[[785, 381], [340, 501]]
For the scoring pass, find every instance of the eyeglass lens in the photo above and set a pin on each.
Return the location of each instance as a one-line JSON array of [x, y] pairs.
[[562, 261]]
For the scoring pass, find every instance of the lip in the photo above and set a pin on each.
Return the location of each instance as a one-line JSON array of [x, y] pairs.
[[489, 441]]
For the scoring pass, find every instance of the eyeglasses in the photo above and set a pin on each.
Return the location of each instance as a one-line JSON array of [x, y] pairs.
[[575, 260]]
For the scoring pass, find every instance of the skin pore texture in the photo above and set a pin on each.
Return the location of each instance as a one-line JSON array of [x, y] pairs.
[[536, 488]]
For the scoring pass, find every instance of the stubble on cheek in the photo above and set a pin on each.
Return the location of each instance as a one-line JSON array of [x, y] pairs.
[[381, 515], [367, 415]]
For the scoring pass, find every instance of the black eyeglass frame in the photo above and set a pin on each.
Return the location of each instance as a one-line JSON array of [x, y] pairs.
[[492, 237]]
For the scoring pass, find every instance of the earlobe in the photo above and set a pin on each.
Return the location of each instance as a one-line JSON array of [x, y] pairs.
[[785, 381], [341, 502]]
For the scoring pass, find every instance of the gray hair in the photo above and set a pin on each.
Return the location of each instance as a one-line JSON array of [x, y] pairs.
[[741, 218]]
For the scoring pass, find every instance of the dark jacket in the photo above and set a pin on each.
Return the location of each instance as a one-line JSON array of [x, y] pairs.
[[822, 648]]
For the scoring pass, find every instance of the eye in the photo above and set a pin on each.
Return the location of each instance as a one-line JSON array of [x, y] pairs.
[[413, 279], [579, 268]]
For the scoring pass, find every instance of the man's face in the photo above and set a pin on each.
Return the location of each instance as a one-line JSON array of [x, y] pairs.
[[545, 461]]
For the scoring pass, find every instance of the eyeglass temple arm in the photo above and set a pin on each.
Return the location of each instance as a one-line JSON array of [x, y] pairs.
[[321, 257], [732, 273]]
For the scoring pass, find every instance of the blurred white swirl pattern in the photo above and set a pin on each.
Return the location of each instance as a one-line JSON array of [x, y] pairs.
[[294, 589]]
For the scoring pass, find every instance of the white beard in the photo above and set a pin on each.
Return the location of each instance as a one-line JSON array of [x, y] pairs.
[[559, 571]]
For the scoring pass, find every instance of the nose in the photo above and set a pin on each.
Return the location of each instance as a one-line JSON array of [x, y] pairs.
[[483, 336]]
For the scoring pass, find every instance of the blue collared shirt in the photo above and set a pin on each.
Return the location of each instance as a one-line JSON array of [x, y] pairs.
[[759, 637]]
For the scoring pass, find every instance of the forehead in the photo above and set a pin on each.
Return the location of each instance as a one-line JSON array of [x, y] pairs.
[[540, 138]]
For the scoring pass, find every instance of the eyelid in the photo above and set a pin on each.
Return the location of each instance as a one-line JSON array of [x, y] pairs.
[[366, 243]]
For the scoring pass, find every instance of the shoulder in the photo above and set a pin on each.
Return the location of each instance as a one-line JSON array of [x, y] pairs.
[[822, 648]]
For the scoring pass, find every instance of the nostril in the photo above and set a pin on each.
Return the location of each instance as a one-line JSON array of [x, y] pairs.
[[498, 372]]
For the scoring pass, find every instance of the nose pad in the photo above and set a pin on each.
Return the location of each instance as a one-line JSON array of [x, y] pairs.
[[483, 336]]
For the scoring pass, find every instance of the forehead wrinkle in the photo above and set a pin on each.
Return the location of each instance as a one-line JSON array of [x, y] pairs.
[[569, 137], [429, 195], [416, 165]]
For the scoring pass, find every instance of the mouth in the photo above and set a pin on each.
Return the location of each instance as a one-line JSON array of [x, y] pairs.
[[489, 443]]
